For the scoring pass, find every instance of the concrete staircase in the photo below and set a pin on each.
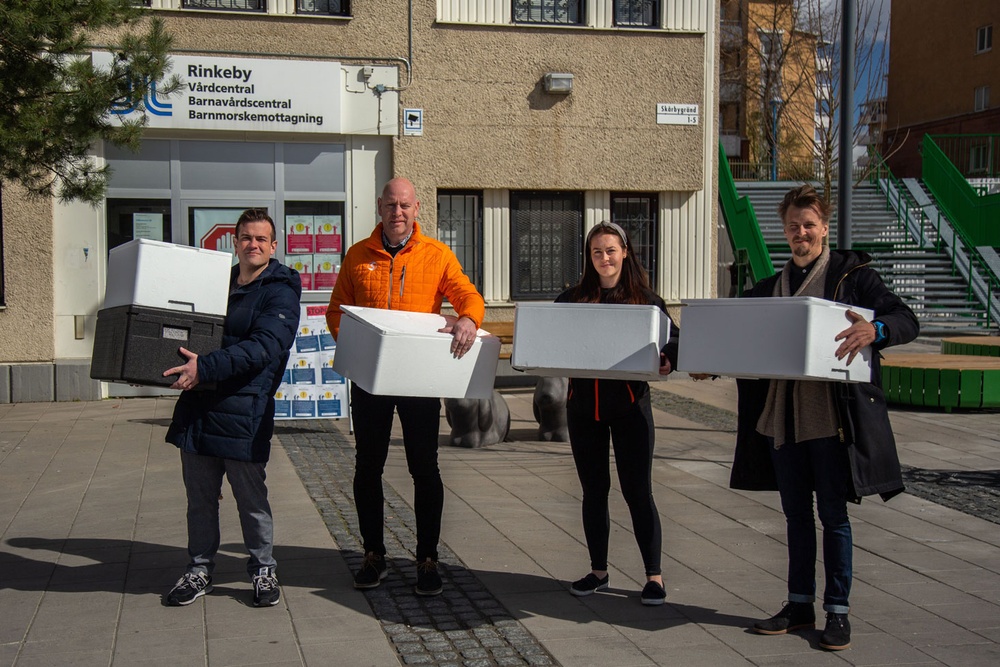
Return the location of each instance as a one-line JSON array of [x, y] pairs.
[[913, 268]]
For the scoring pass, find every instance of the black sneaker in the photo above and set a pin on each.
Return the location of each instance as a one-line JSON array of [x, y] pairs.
[[837, 634], [653, 594], [793, 616], [372, 571], [265, 588], [589, 585], [189, 588], [428, 579]]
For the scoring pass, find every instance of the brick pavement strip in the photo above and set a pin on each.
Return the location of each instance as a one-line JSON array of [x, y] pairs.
[[466, 626]]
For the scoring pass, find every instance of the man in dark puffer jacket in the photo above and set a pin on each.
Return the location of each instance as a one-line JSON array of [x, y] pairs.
[[227, 430]]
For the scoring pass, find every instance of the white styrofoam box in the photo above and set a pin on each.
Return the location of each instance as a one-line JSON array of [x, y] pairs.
[[773, 337], [157, 274], [589, 340], [399, 353]]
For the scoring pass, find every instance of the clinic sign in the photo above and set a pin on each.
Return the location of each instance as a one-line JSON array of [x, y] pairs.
[[244, 94]]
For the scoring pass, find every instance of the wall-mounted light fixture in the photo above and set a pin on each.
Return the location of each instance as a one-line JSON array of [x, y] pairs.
[[558, 83]]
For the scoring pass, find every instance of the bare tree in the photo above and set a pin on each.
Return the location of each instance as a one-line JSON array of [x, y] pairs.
[[789, 66]]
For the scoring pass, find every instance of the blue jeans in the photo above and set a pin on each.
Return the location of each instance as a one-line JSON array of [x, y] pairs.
[[821, 467], [203, 482]]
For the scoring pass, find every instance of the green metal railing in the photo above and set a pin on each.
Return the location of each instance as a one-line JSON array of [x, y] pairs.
[[948, 160], [741, 225]]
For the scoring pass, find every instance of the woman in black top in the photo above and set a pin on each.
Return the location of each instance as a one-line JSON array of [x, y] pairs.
[[603, 411]]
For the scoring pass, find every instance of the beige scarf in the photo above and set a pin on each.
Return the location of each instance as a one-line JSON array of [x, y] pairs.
[[814, 412]]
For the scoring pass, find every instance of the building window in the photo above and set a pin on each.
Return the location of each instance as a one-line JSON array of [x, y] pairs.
[[460, 227], [984, 39], [637, 13], [323, 7], [546, 243], [228, 5], [130, 219], [979, 159], [558, 12], [982, 98], [636, 213]]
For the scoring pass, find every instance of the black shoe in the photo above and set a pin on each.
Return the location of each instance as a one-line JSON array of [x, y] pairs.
[[837, 634], [265, 588], [372, 571], [428, 579], [189, 588], [589, 585], [652, 594], [793, 616]]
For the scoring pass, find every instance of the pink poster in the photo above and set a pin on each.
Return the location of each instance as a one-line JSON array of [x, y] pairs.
[[327, 229], [298, 234]]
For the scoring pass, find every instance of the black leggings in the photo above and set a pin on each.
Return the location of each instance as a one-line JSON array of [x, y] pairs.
[[633, 435], [420, 419]]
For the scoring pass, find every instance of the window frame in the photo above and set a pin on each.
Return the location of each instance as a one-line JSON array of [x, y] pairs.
[[204, 5], [345, 10], [475, 273], [645, 248], [573, 201], [982, 98], [984, 38], [528, 6], [654, 20]]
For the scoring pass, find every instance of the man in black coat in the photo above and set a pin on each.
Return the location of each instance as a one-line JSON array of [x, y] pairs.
[[226, 430], [824, 438]]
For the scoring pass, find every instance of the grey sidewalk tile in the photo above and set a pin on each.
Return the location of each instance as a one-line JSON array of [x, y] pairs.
[[600, 650], [357, 652], [971, 615], [254, 650], [966, 655], [32, 656], [184, 646], [145, 612], [882, 649]]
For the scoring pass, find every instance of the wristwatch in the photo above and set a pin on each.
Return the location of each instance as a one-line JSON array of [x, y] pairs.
[[880, 334]]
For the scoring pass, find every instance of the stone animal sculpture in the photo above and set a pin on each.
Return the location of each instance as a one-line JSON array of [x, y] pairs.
[[477, 422], [549, 406]]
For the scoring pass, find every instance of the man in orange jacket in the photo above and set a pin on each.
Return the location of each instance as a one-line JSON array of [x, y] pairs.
[[399, 268]]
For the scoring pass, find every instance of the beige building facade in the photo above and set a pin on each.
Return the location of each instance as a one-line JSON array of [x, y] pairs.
[[944, 75], [307, 108]]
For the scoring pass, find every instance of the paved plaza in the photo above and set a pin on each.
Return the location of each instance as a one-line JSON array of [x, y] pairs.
[[93, 535]]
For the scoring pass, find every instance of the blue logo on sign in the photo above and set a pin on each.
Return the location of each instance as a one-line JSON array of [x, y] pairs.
[[152, 104]]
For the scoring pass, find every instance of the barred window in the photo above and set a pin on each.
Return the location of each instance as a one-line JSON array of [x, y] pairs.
[[636, 213], [323, 7], [546, 242], [637, 13], [460, 227], [560, 12], [227, 5]]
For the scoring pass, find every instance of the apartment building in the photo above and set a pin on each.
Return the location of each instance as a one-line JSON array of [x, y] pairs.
[[770, 80], [944, 77], [521, 122]]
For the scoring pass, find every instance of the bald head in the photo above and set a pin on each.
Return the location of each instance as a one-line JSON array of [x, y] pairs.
[[398, 208]]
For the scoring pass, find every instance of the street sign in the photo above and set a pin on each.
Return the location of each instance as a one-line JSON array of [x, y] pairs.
[[413, 122], [676, 114]]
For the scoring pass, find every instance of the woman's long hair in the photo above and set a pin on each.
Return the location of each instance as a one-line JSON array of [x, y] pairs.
[[633, 285]]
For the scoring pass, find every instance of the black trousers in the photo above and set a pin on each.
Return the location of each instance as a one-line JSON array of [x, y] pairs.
[[420, 419], [633, 435]]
